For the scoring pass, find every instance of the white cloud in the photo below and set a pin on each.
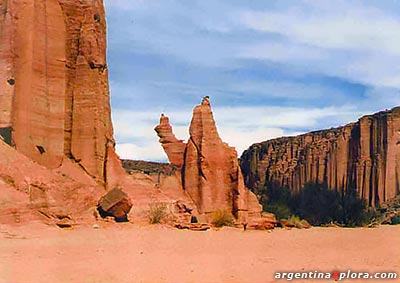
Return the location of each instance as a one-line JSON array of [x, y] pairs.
[[242, 139], [342, 25], [349, 39], [238, 126], [356, 42], [283, 52], [151, 151]]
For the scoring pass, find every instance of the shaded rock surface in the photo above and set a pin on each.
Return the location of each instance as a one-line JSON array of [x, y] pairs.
[[364, 156], [210, 172]]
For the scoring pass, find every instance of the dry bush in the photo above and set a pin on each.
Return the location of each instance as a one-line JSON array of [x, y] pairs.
[[222, 218], [157, 213]]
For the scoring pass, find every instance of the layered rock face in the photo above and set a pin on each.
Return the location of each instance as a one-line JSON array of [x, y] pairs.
[[211, 175], [54, 97], [364, 156]]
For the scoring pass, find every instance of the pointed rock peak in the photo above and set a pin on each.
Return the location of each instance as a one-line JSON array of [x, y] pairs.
[[203, 124], [206, 100], [164, 119], [164, 128]]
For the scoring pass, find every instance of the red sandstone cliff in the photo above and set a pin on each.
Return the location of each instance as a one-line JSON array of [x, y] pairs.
[[54, 83], [211, 175], [364, 156]]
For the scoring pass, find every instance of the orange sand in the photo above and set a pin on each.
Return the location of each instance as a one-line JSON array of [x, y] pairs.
[[130, 253]]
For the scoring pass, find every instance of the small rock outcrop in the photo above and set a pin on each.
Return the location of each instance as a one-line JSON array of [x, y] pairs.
[[364, 156], [210, 170]]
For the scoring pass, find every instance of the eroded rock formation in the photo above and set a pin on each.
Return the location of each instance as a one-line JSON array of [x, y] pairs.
[[364, 156], [54, 97], [211, 175], [173, 147]]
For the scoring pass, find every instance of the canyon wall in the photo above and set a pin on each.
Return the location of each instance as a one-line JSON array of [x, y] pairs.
[[364, 156], [210, 170], [54, 96]]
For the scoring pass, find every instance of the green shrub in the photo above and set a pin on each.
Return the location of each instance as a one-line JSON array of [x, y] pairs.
[[276, 199], [316, 203], [353, 210], [294, 219], [320, 205], [272, 192], [222, 218], [157, 213], [281, 210], [396, 220]]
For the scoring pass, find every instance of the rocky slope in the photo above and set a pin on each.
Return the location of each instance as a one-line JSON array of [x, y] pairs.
[[54, 84], [29, 191], [364, 156], [210, 172]]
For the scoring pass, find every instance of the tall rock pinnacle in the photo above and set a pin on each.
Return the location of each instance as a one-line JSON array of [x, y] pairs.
[[210, 171]]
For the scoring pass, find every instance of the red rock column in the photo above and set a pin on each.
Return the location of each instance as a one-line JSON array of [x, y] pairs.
[[39, 71], [7, 80]]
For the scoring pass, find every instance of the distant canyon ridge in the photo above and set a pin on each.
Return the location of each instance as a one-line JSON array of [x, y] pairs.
[[362, 156]]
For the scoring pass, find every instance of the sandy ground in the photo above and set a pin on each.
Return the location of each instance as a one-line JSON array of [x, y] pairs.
[[130, 253]]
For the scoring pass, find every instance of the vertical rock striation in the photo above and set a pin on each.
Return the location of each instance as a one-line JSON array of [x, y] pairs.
[[364, 156], [211, 175], [54, 96]]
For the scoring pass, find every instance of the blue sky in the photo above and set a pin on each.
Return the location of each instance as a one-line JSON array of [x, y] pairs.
[[271, 68]]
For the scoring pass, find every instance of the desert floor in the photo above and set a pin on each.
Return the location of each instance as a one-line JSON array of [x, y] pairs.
[[129, 253]]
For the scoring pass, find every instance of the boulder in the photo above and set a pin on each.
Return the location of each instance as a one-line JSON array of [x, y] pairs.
[[115, 203]]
